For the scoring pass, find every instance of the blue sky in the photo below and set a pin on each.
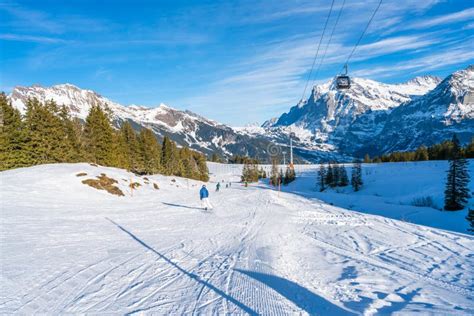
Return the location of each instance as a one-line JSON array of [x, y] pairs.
[[238, 61]]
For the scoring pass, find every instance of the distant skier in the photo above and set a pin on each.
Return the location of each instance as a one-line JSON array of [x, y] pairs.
[[218, 186], [204, 195]]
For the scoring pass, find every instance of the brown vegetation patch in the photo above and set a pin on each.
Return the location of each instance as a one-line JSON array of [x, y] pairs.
[[93, 164], [81, 174], [104, 183], [156, 186], [145, 178], [134, 185]]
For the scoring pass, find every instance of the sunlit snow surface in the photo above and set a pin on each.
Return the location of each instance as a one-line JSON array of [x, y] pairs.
[[68, 248]]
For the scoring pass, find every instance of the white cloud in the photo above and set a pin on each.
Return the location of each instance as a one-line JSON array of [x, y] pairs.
[[31, 38], [460, 16], [453, 56]]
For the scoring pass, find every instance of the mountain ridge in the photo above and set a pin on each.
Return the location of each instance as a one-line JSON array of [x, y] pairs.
[[330, 124]]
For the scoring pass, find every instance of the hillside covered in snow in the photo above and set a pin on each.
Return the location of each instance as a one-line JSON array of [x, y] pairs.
[[69, 248]]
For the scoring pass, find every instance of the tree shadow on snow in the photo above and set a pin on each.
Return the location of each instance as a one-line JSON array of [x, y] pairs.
[[191, 275], [183, 206], [300, 296]]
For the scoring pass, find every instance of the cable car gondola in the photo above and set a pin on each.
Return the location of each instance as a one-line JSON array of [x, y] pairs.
[[343, 81]]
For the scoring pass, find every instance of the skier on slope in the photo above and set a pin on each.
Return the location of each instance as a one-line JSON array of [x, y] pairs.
[[204, 195], [218, 186]]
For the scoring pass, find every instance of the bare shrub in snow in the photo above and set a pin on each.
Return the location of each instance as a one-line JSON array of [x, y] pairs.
[[134, 185], [104, 183], [81, 174], [156, 186]]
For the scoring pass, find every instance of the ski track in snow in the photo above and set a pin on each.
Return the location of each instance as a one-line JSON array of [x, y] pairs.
[[69, 249]]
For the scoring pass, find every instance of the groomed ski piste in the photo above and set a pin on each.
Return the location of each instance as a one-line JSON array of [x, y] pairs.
[[68, 248]]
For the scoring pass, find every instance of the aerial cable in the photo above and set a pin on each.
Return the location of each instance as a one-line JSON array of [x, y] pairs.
[[317, 51], [330, 38], [362, 35]]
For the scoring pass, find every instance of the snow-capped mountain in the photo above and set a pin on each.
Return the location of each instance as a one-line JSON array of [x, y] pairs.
[[370, 116], [326, 117], [447, 109], [184, 127]]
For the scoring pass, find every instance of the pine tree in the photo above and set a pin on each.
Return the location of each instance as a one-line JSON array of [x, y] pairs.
[[456, 192], [287, 177], [470, 219], [99, 138], [330, 181], [12, 137], [200, 160], [72, 130], [356, 176], [343, 179], [46, 137], [290, 175], [322, 178], [168, 152], [367, 158], [150, 151], [187, 167], [250, 172], [421, 153], [274, 176], [336, 170], [215, 157], [469, 150], [130, 149]]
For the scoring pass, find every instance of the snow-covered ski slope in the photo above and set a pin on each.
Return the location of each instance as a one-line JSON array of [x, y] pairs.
[[68, 248]]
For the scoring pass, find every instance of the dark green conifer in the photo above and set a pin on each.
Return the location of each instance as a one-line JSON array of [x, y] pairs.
[[99, 138], [13, 137], [457, 191], [150, 151]]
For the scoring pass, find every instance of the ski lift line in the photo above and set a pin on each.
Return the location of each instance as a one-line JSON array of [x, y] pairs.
[[330, 38], [317, 51], [363, 33]]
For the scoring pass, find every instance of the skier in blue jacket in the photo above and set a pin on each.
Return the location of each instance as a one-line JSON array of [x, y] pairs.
[[204, 195]]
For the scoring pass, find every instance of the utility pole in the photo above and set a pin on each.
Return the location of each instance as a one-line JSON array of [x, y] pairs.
[[291, 148]]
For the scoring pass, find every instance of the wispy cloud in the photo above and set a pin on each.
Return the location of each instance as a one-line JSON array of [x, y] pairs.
[[424, 64], [464, 15], [25, 19], [32, 38]]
